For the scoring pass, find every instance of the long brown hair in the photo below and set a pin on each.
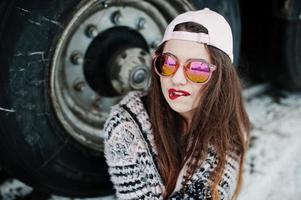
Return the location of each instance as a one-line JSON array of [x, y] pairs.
[[220, 121]]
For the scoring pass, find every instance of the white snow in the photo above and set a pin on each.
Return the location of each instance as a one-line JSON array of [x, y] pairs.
[[12, 188], [273, 164]]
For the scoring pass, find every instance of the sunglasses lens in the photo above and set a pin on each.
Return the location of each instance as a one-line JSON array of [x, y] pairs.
[[197, 71], [165, 65]]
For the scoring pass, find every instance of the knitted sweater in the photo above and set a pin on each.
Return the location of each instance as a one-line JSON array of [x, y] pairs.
[[130, 153]]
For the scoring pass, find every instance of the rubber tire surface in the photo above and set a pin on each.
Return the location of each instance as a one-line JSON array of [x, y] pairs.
[[33, 145], [285, 64], [271, 44], [230, 10]]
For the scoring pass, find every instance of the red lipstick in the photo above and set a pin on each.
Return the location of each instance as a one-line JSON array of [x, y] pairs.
[[173, 93]]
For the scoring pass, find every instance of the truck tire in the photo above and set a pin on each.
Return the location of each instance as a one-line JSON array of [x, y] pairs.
[[33, 145], [284, 69], [231, 11], [285, 64], [55, 97], [271, 43]]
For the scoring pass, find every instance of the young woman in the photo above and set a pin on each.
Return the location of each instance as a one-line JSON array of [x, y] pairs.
[[186, 138]]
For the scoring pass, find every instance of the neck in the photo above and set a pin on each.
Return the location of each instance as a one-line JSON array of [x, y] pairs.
[[188, 118]]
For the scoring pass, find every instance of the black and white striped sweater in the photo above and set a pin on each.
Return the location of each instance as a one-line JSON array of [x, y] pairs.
[[130, 153]]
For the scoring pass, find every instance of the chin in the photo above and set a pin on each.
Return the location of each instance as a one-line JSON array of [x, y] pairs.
[[181, 108]]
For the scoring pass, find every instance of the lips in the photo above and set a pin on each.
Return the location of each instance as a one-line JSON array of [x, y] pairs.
[[173, 93]]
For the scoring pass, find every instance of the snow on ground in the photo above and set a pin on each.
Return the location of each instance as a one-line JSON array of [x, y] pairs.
[[273, 165]]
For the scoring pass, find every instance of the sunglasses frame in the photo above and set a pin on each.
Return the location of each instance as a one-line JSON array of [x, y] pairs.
[[178, 64]]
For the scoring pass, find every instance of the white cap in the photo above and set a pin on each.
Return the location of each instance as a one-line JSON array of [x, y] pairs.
[[219, 31]]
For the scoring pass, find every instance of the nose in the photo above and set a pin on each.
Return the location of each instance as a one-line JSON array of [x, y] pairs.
[[179, 77]]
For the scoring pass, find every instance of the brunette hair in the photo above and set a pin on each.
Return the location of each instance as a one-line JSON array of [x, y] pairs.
[[220, 121]]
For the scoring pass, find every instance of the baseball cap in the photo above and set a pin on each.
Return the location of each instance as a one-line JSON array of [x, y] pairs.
[[219, 31]]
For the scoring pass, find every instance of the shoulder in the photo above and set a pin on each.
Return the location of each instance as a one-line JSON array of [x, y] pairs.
[[121, 134], [119, 116]]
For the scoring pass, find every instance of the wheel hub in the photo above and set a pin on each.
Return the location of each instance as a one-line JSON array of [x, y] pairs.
[[92, 70]]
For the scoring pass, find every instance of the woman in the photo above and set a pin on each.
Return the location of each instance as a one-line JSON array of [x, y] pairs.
[[186, 138]]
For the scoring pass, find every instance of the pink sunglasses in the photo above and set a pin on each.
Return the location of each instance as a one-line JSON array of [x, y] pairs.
[[195, 69]]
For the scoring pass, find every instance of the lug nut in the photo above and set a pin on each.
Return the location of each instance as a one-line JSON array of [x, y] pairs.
[[104, 4], [115, 18], [141, 23], [97, 103], [143, 53], [91, 31], [77, 58], [79, 86]]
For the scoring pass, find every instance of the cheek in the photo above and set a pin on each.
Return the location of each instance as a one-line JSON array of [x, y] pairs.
[[197, 89], [164, 83], [197, 93]]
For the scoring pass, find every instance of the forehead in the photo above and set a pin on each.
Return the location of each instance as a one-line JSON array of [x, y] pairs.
[[184, 49]]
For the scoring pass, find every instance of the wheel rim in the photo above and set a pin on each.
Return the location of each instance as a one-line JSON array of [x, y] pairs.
[[80, 104]]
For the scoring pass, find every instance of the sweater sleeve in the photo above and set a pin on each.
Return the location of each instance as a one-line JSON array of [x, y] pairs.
[[198, 186], [129, 163], [120, 151]]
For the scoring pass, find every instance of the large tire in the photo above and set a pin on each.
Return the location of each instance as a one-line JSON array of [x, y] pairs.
[[38, 144], [230, 10], [33, 146], [285, 64], [271, 43]]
